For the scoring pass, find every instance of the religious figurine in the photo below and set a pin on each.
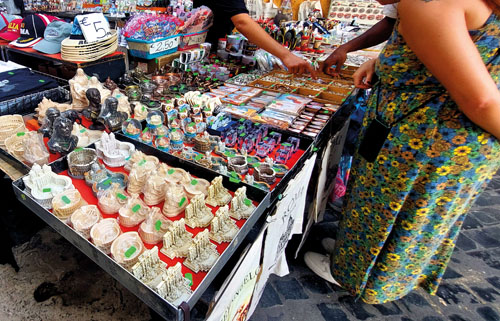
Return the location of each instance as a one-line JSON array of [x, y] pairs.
[[78, 87], [197, 214], [177, 240], [123, 103], [110, 116], [241, 206], [154, 227], [61, 140], [95, 83], [202, 254], [134, 212], [217, 193], [94, 109], [174, 287], [150, 268], [48, 122], [34, 148], [222, 227], [176, 200]]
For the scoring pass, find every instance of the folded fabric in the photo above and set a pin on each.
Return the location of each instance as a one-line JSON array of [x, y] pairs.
[[21, 82]]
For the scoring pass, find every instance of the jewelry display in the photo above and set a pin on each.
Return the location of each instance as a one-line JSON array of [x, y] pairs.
[[111, 200], [80, 162], [222, 227], [154, 227], [113, 152], [134, 212], [217, 193], [177, 240], [202, 254], [241, 206], [154, 190], [174, 287], [150, 268], [66, 203], [126, 249], [197, 214], [104, 232], [84, 218], [176, 200], [43, 184]]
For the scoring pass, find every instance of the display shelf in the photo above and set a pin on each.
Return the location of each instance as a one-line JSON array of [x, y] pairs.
[[146, 294]]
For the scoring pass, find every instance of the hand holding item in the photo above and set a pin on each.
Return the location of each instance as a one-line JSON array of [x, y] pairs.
[[298, 65], [337, 59], [364, 76]]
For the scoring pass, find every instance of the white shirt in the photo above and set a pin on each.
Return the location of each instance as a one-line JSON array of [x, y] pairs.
[[391, 10]]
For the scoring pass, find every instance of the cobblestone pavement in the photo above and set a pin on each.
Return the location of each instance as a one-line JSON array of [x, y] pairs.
[[57, 282]]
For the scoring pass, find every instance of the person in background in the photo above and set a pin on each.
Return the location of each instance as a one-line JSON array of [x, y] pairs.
[[233, 13], [428, 148], [377, 34]]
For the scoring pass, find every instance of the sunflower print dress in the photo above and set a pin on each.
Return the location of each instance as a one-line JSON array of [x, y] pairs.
[[405, 209]]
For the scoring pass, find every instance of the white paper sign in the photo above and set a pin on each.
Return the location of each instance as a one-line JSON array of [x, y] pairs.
[[234, 302], [95, 27], [196, 39], [164, 45], [289, 210]]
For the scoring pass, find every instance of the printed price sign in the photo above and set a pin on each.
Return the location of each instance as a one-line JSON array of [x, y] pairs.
[[195, 39], [95, 27], [164, 45]]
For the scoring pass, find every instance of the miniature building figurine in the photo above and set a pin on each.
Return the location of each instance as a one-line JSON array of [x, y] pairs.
[[241, 206], [222, 227], [149, 268], [197, 213], [202, 254], [177, 240], [217, 193], [174, 287]]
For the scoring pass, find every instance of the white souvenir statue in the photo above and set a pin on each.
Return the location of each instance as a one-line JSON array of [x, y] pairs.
[[174, 287], [222, 227], [150, 268], [154, 227], [95, 83], [123, 103], [78, 87], [85, 136], [113, 152], [202, 253], [176, 200], [177, 240], [197, 213], [154, 190], [241, 206], [46, 104], [217, 193]]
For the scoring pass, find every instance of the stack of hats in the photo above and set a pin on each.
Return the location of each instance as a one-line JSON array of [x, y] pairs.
[[76, 48], [10, 26], [32, 29]]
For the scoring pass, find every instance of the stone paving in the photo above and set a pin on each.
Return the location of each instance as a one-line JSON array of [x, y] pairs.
[[56, 282]]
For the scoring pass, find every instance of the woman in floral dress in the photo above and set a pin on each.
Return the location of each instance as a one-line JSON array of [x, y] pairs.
[[438, 94]]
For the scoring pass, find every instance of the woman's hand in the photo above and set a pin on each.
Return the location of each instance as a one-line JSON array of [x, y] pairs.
[[364, 75], [337, 59]]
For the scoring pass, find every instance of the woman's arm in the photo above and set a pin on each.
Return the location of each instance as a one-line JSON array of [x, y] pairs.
[[258, 36], [442, 43]]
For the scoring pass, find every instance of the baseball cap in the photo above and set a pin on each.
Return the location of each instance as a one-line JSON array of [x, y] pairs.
[[12, 32], [54, 34], [32, 29], [5, 19]]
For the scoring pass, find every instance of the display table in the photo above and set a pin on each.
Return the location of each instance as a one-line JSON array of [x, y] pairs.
[[112, 66]]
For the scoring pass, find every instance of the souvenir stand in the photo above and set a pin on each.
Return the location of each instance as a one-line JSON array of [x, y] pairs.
[[162, 179]]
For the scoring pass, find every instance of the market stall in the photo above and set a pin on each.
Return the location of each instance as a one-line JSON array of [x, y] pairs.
[[160, 174]]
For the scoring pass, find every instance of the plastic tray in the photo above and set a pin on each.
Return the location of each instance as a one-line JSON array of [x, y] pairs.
[[141, 48]]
